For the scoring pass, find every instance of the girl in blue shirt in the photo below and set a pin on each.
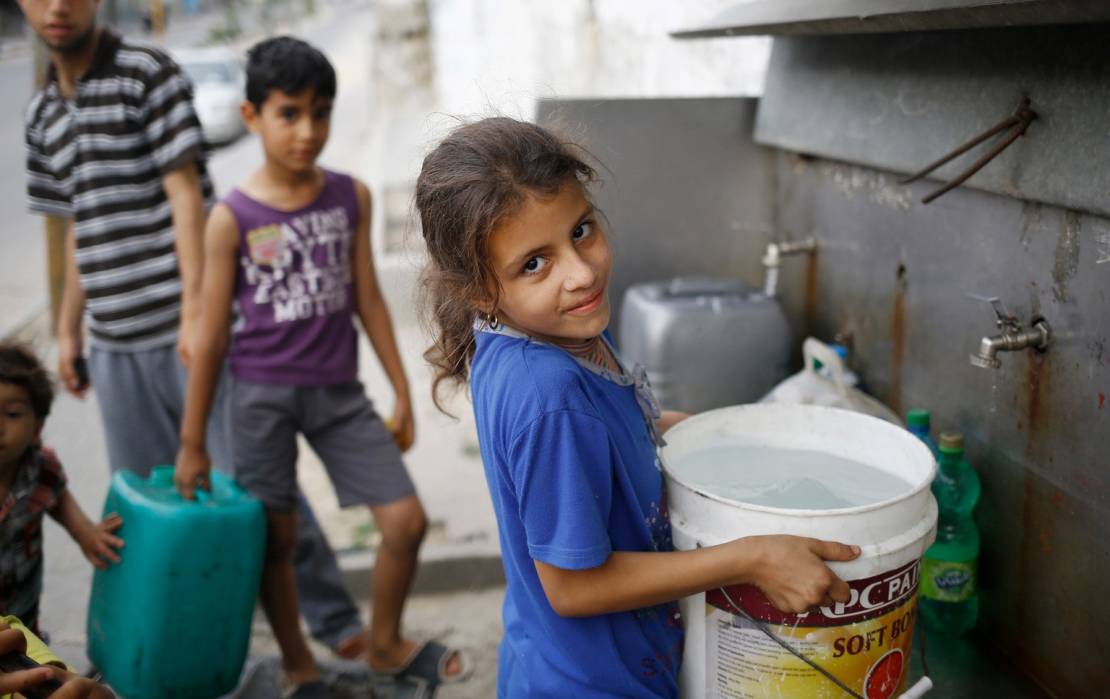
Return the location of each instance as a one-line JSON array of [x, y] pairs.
[[517, 279]]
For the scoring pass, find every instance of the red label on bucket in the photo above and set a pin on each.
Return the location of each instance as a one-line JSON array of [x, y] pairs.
[[864, 643]]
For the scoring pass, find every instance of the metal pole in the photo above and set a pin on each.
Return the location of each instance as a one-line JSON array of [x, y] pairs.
[[158, 18], [54, 226]]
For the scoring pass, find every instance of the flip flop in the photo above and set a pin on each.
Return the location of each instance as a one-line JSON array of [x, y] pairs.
[[428, 663]]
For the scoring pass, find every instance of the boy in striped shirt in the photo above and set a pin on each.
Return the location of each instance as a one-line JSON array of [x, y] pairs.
[[115, 148]]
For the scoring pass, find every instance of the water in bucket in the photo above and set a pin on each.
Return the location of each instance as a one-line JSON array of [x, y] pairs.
[[797, 479]]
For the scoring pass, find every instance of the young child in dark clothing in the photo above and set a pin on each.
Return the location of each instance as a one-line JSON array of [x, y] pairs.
[[32, 484]]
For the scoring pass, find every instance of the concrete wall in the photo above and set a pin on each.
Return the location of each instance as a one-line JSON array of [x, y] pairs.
[[901, 101], [495, 55]]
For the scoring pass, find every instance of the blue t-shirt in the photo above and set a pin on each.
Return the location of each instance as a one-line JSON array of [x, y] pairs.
[[573, 473]]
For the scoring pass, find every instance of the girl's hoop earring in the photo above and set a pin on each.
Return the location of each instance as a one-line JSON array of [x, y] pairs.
[[492, 322]]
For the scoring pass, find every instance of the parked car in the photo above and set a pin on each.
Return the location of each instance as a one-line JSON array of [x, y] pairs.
[[217, 77]]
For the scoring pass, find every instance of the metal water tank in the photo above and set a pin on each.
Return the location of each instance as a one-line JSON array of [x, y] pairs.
[[705, 343]]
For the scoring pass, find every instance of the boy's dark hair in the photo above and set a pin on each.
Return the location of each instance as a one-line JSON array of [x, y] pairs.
[[20, 367], [480, 173], [287, 64]]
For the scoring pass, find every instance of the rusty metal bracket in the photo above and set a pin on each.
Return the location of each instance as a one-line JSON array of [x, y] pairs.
[[1017, 123]]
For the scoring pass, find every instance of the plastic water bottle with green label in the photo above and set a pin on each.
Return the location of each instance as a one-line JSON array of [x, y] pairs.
[[949, 595]]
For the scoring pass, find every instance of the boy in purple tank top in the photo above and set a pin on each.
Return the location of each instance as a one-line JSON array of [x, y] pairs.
[[290, 250]]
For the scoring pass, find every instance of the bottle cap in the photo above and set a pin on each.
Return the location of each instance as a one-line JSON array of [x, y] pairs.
[[917, 417], [951, 442]]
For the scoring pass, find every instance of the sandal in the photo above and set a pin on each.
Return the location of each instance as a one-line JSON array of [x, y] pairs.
[[428, 663], [355, 647]]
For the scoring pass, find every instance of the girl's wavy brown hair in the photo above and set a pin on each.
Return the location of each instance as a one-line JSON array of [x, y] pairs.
[[480, 173]]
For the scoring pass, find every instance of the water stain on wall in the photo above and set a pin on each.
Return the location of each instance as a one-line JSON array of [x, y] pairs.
[[898, 339], [1102, 241], [810, 294], [851, 181], [1030, 222], [1034, 384], [1067, 256]]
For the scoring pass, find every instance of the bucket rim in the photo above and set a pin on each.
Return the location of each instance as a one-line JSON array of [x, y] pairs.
[[926, 484]]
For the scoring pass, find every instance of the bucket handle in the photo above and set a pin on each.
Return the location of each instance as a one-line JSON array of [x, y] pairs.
[[919, 689], [789, 648], [813, 349]]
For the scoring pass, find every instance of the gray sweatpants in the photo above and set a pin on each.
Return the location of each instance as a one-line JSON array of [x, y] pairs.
[[142, 398]]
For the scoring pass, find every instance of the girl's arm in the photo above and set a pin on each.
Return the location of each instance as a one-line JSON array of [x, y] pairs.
[[374, 315], [221, 250], [96, 540], [790, 570]]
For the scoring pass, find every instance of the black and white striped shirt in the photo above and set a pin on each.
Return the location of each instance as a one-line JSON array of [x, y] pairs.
[[99, 159]]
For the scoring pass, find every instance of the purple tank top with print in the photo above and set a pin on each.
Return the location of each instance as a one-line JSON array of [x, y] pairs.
[[295, 289]]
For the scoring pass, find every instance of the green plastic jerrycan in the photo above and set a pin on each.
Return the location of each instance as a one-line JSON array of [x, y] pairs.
[[172, 620]]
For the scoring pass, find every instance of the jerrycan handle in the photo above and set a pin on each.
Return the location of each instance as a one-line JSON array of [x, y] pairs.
[[813, 349], [162, 477]]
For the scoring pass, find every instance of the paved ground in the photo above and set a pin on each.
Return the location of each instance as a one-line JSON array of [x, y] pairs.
[[469, 619]]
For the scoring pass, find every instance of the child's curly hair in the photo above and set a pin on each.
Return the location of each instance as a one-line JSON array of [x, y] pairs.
[[478, 174], [20, 367]]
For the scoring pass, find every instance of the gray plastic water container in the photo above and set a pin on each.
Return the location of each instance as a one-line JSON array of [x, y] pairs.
[[706, 343]]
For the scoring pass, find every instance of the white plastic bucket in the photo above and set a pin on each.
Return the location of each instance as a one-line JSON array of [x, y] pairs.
[[865, 643]]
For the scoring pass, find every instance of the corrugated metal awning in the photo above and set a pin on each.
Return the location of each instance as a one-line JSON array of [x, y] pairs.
[[813, 17]]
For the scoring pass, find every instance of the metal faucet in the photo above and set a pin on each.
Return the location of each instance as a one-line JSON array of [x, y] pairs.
[[772, 260], [1011, 339]]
